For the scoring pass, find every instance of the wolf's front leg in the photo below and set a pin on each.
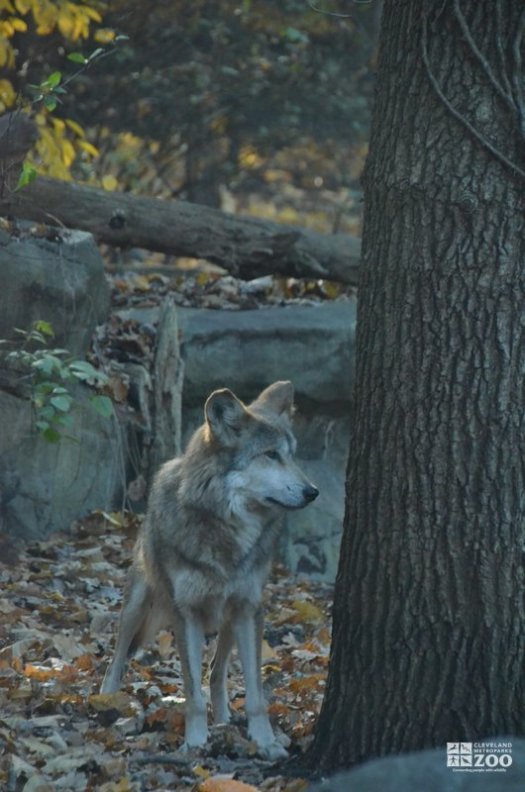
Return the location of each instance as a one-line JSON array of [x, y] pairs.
[[189, 636], [248, 629]]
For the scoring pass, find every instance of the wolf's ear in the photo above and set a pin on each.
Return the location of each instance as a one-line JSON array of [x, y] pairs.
[[277, 397], [224, 414]]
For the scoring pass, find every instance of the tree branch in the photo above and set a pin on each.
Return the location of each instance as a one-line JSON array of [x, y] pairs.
[[507, 97], [457, 115]]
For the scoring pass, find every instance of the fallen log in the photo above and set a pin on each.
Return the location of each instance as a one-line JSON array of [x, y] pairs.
[[244, 246]]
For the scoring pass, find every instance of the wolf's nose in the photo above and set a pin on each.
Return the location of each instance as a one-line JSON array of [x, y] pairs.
[[310, 493]]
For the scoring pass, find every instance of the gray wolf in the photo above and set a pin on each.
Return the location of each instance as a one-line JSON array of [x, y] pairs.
[[204, 553]]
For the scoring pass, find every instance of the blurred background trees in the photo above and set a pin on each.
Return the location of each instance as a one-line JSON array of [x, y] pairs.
[[261, 107]]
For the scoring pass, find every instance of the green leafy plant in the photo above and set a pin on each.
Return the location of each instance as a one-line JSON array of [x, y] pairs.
[[51, 371]]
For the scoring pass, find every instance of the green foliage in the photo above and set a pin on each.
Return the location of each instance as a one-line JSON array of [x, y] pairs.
[[51, 371], [27, 175]]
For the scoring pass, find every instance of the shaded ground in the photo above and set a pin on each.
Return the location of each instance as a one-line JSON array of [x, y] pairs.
[[59, 603]]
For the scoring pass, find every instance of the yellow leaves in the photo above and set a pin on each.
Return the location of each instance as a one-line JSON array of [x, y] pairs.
[[8, 27], [104, 35], [68, 24], [60, 141], [300, 612], [89, 148], [18, 25], [7, 55], [7, 95], [73, 21], [67, 152], [45, 16], [58, 124], [248, 158], [123, 785], [91, 13], [109, 182], [119, 701], [74, 127], [55, 150], [23, 6], [307, 612], [201, 771]]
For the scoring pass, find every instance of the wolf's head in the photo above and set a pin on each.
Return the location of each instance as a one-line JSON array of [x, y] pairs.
[[261, 448]]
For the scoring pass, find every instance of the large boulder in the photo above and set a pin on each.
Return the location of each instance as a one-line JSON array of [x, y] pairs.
[[432, 771], [45, 486], [57, 277], [311, 345]]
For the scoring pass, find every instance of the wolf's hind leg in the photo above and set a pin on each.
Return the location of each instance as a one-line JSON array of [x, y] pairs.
[[137, 602], [219, 674], [189, 637]]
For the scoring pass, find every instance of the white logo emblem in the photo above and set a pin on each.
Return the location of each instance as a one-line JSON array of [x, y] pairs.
[[486, 757], [459, 754]]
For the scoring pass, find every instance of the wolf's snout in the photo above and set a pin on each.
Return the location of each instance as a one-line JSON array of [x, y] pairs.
[[310, 493]]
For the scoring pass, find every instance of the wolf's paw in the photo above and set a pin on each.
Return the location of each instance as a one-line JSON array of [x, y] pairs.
[[187, 751], [269, 746], [112, 678], [196, 733], [272, 751]]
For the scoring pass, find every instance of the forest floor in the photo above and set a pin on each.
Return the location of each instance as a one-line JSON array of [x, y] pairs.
[[59, 603]]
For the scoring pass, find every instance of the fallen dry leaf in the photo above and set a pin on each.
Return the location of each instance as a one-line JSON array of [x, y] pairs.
[[59, 610]]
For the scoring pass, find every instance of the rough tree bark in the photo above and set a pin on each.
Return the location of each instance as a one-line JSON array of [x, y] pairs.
[[429, 620], [245, 246], [17, 135]]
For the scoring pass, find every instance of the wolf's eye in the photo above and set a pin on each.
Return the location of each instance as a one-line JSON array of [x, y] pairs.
[[274, 455]]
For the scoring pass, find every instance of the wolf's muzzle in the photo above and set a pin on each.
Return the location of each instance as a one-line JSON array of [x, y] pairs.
[[310, 493]]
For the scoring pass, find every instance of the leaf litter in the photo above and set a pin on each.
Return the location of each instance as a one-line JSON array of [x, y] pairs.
[[59, 605]]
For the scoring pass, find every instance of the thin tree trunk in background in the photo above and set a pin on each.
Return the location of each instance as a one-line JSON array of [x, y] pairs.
[[429, 621]]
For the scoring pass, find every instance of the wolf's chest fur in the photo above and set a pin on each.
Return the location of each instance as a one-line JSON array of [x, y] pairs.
[[209, 559]]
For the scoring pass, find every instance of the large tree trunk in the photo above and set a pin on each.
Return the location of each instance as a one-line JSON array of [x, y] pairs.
[[429, 622]]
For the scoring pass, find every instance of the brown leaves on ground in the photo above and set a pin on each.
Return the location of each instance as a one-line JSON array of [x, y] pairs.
[[59, 603]]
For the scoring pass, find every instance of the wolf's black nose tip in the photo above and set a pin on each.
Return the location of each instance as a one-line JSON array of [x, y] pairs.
[[310, 493]]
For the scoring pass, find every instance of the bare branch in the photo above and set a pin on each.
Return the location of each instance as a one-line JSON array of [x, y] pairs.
[[507, 97], [328, 13], [333, 13], [499, 47]]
